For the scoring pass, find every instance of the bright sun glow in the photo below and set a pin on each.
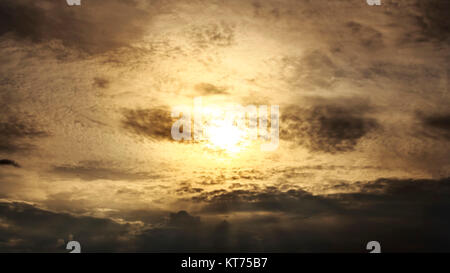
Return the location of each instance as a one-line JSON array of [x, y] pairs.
[[221, 134]]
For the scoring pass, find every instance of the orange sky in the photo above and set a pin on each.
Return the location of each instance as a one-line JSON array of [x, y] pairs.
[[86, 94]]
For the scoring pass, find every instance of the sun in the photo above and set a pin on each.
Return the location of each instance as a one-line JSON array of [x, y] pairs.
[[220, 131], [223, 135]]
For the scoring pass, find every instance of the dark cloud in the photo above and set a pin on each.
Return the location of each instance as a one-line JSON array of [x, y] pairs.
[[149, 217], [15, 133], [101, 82], [270, 11], [426, 21], [207, 89], [368, 37], [189, 234], [174, 239], [15, 128], [330, 127], [434, 20], [183, 219], [155, 123], [93, 27], [437, 126], [402, 214], [186, 188], [268, 199], [219, 178], [420, 75], [8, 162], [26, 228]]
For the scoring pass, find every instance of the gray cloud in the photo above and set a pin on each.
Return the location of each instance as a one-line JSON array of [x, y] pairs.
[[207, 89], [434, 20], [186, 188], [100, 82], [8, 162], [183, 219], [437, 125], [93, 28], [328, 127], [15, 128], [368, 37], [399, 74], [26, 228], [15, 133], [268, 199], [403, 214], [95, 170], [155, 123]]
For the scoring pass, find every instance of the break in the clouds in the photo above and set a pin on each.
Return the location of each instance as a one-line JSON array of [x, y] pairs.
[[86, 94]]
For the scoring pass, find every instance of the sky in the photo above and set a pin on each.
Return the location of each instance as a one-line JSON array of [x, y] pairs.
[[86, 100]]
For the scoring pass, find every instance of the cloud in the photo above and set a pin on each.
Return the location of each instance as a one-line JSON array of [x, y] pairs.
[[154, 123], [434, 19], [186, 188], [15, 128], [16, 131], [101, 82], [212, 35], [402, 214], [368, 37], [26, 228], [95, 170], [206, 89], [327, 127], [93, 28], [311, 71], [270, 52], [8, 162], [207, 179], [268, 199], [399, 74], [437, 125], [183, 219], [188, 234]]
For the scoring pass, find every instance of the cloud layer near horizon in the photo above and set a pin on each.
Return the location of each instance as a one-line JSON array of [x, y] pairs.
[[390, 211]]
